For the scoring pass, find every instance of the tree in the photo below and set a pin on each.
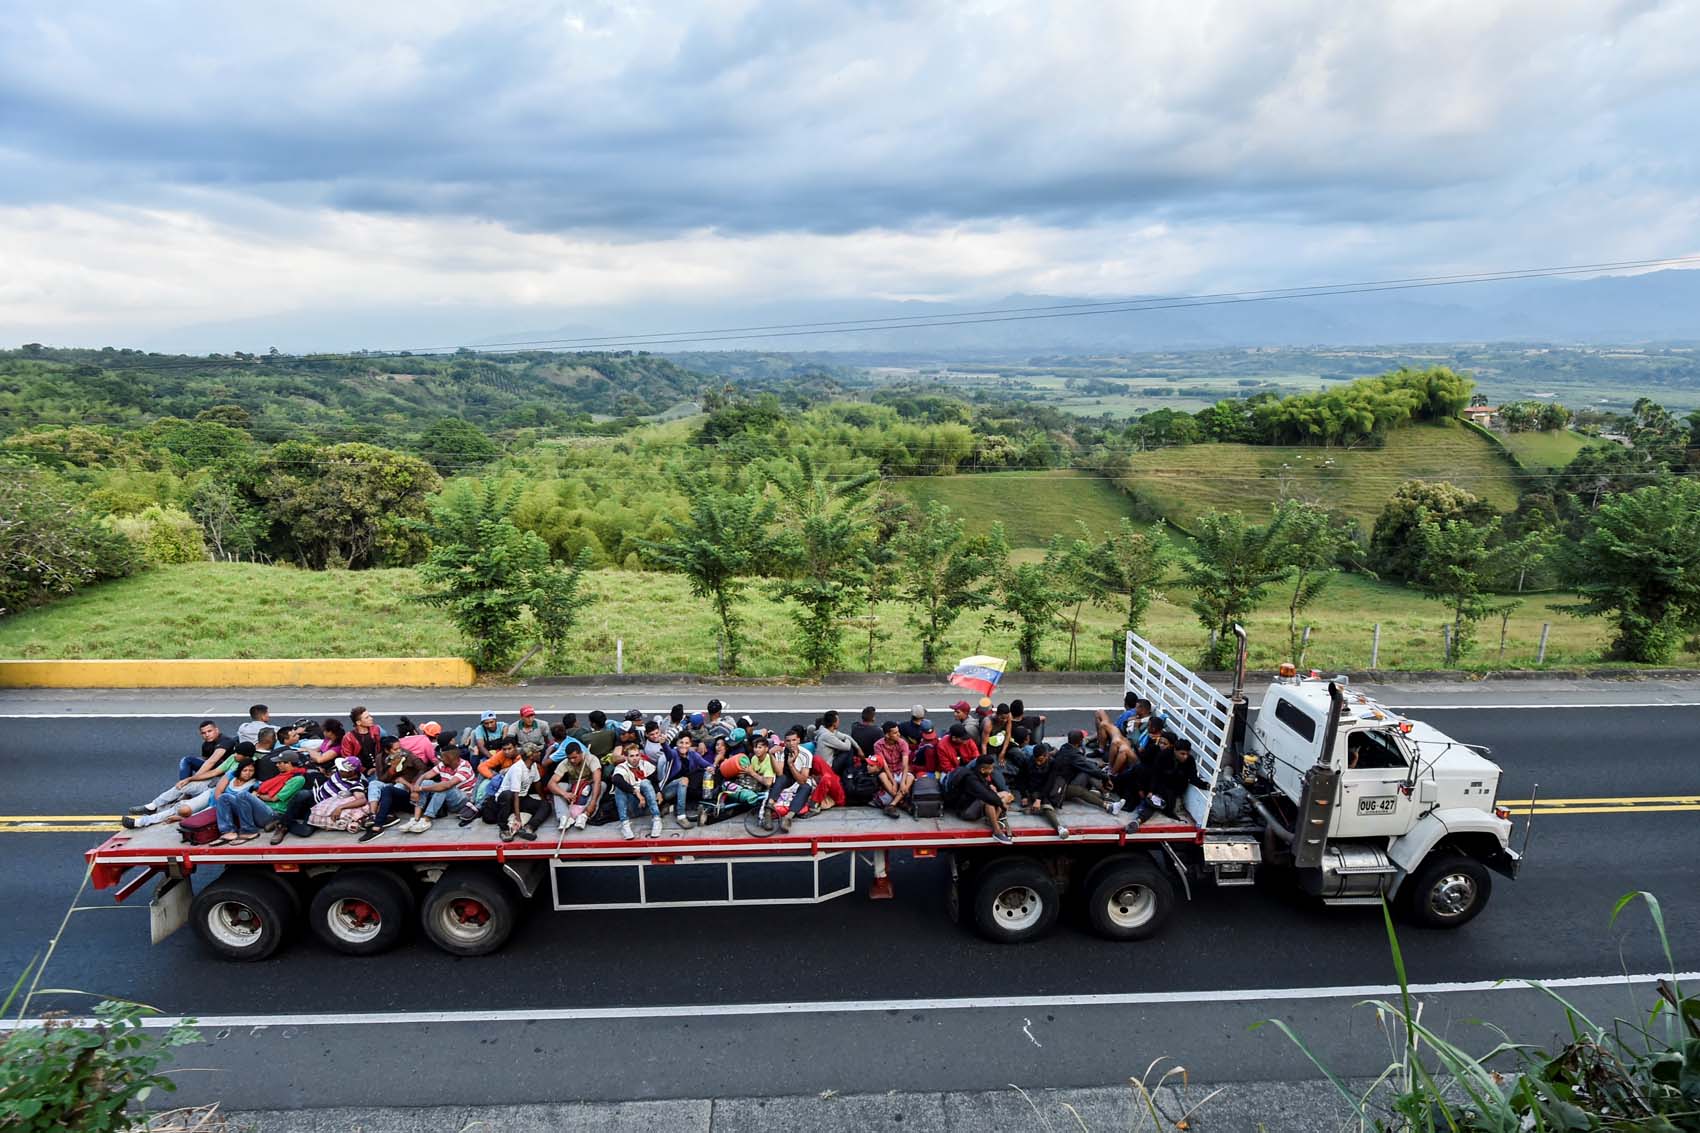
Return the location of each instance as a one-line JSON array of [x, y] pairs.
[[1032, 594], [481, 569], [1395, 544], [1231, 569], [823, 554], [1121, 572], [231, 523], [1313, 543], [555, 597], [49, 546], [1639, 565], [1553, 417], [453, 444], [348, 505], [714, 547], [1458, 556], [942, 571]]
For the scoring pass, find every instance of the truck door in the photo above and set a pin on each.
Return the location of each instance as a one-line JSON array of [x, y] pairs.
[[1375, 769]]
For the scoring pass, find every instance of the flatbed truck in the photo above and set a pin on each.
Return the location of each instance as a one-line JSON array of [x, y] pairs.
[[1349, 800]]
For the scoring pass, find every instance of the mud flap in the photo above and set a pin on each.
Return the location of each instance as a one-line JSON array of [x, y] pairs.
[[168, 911]]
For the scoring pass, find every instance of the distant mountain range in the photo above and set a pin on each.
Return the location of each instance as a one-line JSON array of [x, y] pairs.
[[1661, 306]]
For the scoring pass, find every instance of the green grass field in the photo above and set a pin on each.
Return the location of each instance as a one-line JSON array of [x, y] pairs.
[[1033, 505], [1185, 482], [1545, 450], [247, 610]]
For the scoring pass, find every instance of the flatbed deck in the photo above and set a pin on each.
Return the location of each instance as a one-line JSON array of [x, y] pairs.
[[835, 831]]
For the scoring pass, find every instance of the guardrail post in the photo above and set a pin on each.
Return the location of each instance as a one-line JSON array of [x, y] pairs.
[[1304, 647], [1446, 637], [1541, 657], [619, 656], [1375, 648]]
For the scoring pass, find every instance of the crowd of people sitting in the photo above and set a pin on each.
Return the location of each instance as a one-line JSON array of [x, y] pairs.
[[703, 767]]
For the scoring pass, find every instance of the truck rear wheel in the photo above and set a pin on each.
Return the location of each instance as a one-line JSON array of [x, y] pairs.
[[1128, 899], [362, 912], [242, 916], [1447, 890], [1014, 901], [468, 912]]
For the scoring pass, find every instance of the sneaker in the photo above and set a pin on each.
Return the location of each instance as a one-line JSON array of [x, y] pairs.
[[279, 834], [785, 824], [507, 834], [626, 831], [580, 821], [1002, 835], [1116, 805], [372, 832], [890, 812], [467, 820], [1062, 832], [388, 822], [141, 810], [766, 819], [562, 825], [682, 821], [527, 833], [421, 824], [655, 827], [1133, 827], [130, 823]]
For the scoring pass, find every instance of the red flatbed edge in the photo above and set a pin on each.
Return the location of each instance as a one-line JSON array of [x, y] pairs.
[[837, 830]]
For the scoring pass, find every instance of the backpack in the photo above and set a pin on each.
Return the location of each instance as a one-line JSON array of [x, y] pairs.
[[860, 786], [200, 828]]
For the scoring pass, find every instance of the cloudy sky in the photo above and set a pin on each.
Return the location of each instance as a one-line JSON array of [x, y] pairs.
[[393, 174]]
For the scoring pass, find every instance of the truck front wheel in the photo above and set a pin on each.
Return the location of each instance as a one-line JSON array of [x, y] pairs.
[[1014, 901], [1447, 890], [468, 912]]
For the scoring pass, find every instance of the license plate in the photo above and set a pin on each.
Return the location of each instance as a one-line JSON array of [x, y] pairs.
[[1380, 804]]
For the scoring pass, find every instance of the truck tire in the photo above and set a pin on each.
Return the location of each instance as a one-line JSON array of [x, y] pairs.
[[468, 912], [361, 912], [242, 915], [1015, 901], [1129, 899], [1447, 891]]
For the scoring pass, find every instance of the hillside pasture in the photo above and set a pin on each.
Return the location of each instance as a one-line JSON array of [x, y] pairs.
[[1187, 481], [1032, 505]]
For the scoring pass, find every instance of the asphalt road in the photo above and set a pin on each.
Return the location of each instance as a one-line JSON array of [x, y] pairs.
[[1551, 923]]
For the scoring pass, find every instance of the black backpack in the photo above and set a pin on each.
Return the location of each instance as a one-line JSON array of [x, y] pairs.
[[860, 786]]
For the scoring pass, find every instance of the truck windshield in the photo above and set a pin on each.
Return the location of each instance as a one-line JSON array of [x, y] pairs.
[[1373, 750]]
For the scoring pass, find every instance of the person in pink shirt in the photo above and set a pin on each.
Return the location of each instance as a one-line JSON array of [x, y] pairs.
[[890, 765]]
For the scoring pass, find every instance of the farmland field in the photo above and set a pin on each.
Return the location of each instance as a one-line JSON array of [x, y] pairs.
[[1033, 505], [1187, 481], [1545, 450]]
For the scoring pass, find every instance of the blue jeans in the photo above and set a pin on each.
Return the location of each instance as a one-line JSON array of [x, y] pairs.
[[188, 765], [626, 801], [677, 790], [244, 812], [451, 800], [390, 798]]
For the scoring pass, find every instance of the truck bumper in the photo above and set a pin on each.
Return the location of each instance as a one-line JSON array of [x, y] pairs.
[[1505, 862]]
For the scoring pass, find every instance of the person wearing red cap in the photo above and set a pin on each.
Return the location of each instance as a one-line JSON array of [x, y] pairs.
[[528, 731], [962, 710]]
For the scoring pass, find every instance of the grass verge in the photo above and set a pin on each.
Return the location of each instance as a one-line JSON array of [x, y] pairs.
[[246, 610]]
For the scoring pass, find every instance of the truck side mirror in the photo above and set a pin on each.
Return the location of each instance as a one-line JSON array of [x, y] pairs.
[[1428, 791]]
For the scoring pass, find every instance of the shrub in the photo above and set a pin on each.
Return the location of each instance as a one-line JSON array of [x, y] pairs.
[[49, 545], [163, 536]]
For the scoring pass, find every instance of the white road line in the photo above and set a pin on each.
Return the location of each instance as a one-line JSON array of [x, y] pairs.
[[783, 710], [863, 1007]]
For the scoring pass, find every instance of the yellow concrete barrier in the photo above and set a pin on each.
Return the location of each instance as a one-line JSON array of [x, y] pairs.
[[353, 672]]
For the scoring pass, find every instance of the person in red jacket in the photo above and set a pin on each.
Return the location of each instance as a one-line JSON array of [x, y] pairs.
[[956, 748], [364, 740]]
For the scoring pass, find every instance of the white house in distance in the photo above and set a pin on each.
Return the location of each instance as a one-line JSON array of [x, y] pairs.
[[1487, 416]]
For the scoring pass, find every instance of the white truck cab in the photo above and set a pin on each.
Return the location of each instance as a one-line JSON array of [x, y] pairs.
[[1362, 802]]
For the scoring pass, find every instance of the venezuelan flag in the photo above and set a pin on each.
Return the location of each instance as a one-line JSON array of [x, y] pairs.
[[978, 674]]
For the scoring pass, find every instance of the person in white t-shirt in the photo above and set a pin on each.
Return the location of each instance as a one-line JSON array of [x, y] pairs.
[[634, 785], [519, 796]]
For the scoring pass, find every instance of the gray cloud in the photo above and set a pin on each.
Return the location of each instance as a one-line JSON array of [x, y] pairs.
[[838, 118]]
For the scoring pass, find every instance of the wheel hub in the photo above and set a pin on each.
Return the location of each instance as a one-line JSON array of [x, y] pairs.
[[1018, 907], [235, 924], [1453, 895], [1132, 906], [469, 912]]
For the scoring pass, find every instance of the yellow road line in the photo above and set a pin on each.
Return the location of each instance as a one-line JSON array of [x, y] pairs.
[[1631, 800]]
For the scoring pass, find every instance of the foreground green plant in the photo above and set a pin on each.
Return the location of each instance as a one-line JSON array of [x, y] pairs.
[[1627, 1075], [82, 1075]]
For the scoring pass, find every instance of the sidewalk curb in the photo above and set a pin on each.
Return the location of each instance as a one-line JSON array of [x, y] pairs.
[[1267, 1107]]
